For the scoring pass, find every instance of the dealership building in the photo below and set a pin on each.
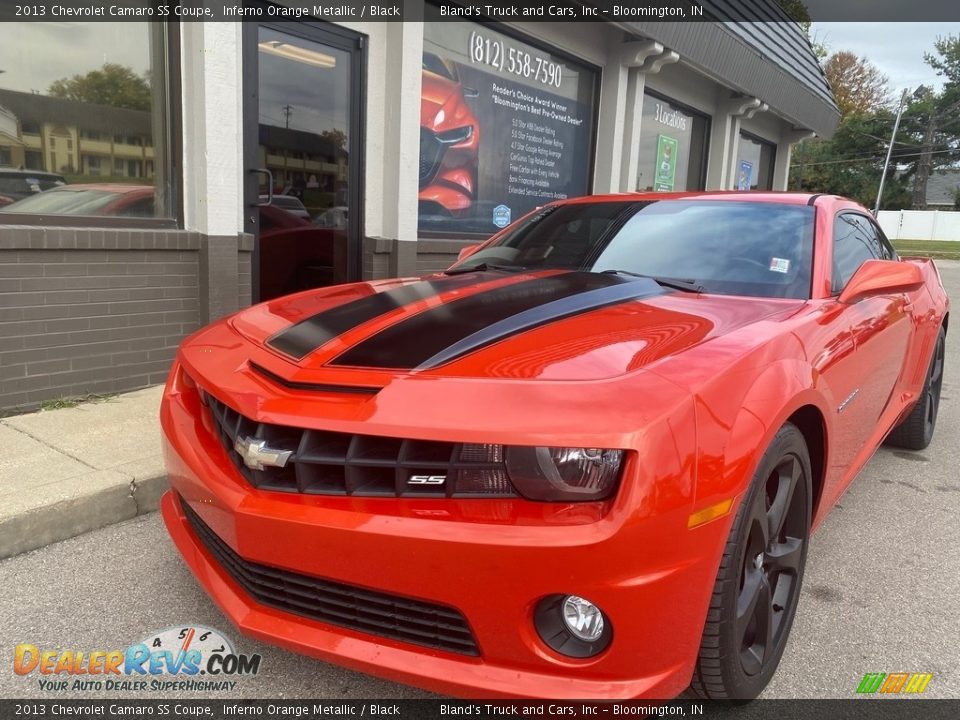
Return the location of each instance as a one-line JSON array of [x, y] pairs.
[[157, 176]]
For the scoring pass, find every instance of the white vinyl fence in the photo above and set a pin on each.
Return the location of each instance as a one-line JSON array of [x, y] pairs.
[[920, 224]]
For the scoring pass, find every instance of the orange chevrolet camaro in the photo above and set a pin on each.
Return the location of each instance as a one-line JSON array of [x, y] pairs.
[[583, 462]]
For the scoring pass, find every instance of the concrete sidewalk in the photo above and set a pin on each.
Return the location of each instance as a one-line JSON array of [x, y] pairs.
[[65, 472]]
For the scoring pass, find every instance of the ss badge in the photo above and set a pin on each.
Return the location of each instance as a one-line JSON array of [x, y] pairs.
[[427, 480]]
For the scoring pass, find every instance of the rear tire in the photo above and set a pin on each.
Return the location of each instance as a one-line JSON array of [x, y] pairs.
[[757, 589], [916, 430]]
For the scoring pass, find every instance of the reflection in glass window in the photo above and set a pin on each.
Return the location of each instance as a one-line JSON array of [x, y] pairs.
[[853, 245], [86, 112], [754, 170], [672, 147]]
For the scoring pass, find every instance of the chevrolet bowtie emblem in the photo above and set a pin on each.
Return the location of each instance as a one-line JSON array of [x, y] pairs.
[[256, 455]]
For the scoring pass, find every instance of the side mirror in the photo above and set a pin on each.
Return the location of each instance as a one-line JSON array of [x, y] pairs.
[[469, 92], [467, 252], [882, 277]]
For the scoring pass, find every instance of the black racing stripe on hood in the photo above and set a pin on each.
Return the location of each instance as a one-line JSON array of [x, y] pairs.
[[460, 326], [302, 338]]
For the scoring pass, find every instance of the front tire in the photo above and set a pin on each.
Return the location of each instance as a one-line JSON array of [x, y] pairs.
[[757, 589], [916, 430]]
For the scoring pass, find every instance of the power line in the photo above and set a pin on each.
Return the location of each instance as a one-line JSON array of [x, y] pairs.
[[873, 158]]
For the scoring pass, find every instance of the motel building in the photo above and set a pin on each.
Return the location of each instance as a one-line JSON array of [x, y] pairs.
[[155, 176]]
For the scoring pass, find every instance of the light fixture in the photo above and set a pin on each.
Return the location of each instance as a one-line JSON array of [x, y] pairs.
[[572, 626], [582, 618], [297, 54]]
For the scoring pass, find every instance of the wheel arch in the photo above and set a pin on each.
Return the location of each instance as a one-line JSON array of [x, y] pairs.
[[809, 420], [784, 391]]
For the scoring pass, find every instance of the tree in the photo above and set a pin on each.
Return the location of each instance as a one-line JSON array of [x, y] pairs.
[[336, 136], [113, 84], [937, 115], [798, 12], [857, 84], [947, 60], [851, 162]]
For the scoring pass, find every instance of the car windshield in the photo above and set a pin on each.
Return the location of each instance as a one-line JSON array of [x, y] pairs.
[[434, 64], [63, 202], [749, 248]]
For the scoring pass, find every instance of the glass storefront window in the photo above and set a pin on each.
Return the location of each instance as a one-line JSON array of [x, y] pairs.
[[505, 126], [82, 128], [755, 163], [673, 147]]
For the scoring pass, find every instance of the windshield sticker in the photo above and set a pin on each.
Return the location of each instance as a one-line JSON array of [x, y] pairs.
[[780, 265]]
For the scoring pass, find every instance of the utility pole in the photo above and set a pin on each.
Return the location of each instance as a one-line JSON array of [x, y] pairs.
[[287, 112], [893, 139]]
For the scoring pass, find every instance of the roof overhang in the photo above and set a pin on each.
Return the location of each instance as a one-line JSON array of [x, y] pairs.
[[771, 61]]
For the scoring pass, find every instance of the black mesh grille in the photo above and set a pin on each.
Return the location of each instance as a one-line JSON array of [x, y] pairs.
[[329, 463], [377, 613], [431, 153]]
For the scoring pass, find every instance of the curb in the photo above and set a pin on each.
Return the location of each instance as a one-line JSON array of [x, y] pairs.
[[52, 523]]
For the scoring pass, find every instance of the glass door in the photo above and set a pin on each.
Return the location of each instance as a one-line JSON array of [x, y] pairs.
[[303, 91]]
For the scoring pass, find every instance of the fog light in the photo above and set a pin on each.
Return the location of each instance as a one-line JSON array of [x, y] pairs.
[[582, 618], [573, 626]]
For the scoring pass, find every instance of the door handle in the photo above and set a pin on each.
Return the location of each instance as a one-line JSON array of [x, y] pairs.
[[264, 171]]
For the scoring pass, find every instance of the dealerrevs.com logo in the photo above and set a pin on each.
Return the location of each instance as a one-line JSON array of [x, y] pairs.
[[894, 683], [170, 660]]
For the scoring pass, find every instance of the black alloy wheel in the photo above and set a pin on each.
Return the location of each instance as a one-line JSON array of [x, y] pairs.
[[916, 430], [758, 584]]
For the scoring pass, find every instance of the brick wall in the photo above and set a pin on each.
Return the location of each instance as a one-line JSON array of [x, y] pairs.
[[381, 260], [97, 311], [102, 311], [244, 270]]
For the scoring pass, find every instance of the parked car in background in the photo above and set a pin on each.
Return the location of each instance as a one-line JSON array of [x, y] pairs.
[[112, 199], [17, 184], [288, 203], [335, 217], [585, 461]]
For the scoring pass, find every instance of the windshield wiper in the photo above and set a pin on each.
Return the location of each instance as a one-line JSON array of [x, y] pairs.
[[690, 286], [481, 267]]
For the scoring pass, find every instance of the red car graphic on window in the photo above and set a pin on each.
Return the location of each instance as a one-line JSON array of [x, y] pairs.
[[449, 140]]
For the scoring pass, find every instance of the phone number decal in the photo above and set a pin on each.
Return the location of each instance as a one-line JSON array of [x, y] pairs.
[[516, 61]]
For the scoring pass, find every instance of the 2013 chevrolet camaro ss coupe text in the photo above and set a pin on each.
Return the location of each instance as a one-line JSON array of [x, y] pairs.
[[584, 462]]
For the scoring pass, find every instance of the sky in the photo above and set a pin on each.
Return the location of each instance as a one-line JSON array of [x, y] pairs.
[[896, 48], [34, 54]]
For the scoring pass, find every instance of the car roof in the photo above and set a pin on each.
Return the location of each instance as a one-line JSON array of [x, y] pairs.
[[115, 188], [769, 196]]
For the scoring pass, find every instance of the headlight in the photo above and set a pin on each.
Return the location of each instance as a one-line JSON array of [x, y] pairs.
[[564, 474], [456, 136]]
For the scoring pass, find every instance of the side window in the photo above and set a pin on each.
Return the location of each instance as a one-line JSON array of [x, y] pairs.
[[851, 248], [877, 238]]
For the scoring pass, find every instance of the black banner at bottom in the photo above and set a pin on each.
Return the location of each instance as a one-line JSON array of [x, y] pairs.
[[866, 708]]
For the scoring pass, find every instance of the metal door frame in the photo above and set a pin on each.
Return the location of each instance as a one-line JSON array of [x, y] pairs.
[[342, 39]]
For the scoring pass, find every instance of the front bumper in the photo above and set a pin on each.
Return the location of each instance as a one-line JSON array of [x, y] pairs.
[[492, 560]]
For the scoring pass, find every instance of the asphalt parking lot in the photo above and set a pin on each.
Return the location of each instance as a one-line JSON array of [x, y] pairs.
[[881, 593]]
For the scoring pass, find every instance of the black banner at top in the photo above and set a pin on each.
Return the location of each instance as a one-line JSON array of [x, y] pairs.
[[51, 708], [512, 10]]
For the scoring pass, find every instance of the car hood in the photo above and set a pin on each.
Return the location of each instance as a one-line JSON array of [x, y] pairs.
[[551, 325]]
